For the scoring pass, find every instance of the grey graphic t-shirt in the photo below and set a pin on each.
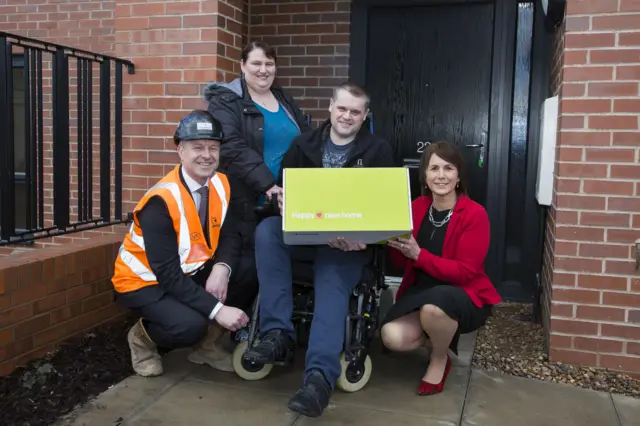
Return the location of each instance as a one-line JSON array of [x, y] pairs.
[[335, 155]]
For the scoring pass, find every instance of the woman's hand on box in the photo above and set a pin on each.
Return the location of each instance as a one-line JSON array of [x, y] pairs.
[[407, 246], [280, 203], [341, 244]]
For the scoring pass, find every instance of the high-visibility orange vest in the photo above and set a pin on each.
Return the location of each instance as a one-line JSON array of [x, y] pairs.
[[132, 270]]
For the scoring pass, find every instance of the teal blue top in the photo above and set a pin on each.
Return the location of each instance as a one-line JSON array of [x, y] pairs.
[[278, 133]]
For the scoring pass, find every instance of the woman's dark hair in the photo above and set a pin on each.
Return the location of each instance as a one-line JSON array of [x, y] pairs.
[[269, 51], [450, 153]]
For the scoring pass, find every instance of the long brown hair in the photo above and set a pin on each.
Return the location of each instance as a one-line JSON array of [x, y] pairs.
[[450, 153]]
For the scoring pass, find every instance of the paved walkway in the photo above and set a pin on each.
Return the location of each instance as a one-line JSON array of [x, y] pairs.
[[197, 395]]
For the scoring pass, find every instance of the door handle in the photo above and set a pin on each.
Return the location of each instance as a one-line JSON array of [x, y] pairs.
[[480, 161]]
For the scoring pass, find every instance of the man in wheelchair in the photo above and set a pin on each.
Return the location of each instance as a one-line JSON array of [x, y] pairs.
[[341, 141]]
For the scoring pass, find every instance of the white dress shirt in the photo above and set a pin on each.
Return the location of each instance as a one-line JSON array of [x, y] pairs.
[[194, 187]]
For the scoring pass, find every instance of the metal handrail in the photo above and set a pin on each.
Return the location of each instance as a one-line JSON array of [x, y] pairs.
[[33, 177]]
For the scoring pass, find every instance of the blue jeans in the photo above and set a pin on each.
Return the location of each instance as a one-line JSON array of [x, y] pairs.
[[336, 273]]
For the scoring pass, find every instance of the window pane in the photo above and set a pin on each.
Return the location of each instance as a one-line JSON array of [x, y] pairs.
[[19, 144], [19, 112]]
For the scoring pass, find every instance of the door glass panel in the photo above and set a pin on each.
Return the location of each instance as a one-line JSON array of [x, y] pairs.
[[518, 148]]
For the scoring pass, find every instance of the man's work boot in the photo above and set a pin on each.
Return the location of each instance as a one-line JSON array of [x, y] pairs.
[[227, 343], [274, 348], [209, 352], [145, 359], [313, 397]]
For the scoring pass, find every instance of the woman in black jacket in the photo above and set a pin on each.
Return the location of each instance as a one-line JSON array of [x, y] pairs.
[[259, 121]]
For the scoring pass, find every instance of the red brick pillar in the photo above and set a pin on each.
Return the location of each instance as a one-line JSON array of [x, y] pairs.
[[590, 275], [177, 48]]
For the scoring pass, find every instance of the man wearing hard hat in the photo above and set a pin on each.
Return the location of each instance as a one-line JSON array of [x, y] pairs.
[[174, 265]]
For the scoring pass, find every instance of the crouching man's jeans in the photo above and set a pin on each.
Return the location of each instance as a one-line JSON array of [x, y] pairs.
[[336, 273]]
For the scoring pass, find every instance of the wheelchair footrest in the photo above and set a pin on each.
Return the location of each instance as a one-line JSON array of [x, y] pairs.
[[283, 363], [356, 317]]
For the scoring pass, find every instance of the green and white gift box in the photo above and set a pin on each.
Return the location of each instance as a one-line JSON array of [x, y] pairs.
[[367, 205]]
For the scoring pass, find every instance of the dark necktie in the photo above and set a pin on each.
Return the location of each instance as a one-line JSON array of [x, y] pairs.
[[204, 202]]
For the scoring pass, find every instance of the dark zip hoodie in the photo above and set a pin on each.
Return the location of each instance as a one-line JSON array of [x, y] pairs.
[[368, 150]]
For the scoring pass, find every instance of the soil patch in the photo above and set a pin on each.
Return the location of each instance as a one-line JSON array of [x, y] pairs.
[[83, 367], [514, 346]]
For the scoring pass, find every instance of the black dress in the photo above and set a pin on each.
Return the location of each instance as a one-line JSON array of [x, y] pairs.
[[427, 290]]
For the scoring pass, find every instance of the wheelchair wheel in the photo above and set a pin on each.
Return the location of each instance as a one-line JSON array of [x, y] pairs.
[[354, 375], [246, 369]]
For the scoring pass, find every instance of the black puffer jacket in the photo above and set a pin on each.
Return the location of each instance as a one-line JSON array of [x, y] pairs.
[[242, 148]]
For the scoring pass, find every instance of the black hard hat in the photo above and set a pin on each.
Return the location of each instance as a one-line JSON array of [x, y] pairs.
[[198, 125]]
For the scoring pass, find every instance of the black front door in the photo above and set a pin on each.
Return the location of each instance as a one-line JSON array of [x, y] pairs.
[[428, 70]]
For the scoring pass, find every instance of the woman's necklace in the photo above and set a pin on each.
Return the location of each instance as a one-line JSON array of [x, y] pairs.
[[263, 100], [438, 224]]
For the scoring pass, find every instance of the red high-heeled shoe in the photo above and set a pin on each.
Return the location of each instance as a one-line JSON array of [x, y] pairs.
[[426, 388]]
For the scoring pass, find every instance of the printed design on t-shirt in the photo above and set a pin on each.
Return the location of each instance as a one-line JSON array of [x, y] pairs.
[[335, 156]]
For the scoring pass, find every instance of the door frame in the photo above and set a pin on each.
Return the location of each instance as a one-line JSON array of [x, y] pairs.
[[535, 215], [502, 70]]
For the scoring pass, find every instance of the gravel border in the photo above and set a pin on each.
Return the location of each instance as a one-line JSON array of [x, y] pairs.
[[510, 344]]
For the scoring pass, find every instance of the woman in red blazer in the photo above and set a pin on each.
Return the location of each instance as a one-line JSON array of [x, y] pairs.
[[444, 291]]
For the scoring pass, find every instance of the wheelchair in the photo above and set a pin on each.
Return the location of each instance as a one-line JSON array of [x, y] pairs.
[[361, 323]]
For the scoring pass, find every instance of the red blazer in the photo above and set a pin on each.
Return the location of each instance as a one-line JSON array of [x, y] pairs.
[[465, 247]]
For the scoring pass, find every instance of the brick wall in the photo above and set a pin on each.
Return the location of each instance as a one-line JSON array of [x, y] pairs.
[[312, 42], [82, 23], [595, 218], [177, 47], [50, 295]]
